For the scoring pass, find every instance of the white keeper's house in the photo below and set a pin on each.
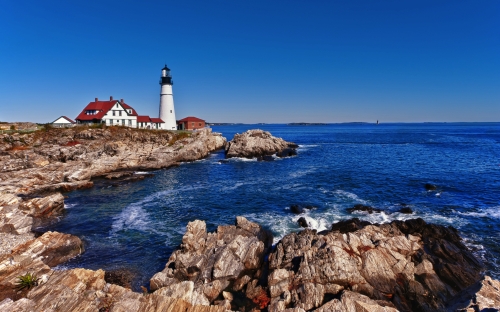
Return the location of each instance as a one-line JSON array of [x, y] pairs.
[[118, 113]]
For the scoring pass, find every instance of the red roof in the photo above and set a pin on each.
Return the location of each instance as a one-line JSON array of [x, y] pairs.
[[149, 119], [143, 119], [190, 118], [102, 107]]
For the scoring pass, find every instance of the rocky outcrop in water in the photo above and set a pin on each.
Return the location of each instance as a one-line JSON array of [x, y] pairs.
[[258, 143], [356, 266]]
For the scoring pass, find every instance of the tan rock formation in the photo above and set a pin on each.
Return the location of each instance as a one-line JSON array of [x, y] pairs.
[[256, 143]]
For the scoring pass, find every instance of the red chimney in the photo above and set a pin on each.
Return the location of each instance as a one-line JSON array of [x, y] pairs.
[[96, 99], [121, 101], [111, 98]]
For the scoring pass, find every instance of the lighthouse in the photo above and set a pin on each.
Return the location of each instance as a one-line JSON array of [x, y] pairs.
[[167, 111]]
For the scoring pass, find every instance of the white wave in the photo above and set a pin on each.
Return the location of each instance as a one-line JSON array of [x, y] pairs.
[[141, 172], [307, 145], [354, 197], [233, 187], [133, 217], [493, 213], [243, 159], [301, 173], [69, 206]]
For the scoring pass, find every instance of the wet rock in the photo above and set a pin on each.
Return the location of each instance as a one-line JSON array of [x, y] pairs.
[[430, 187], [351, 225], [303, 222], [406, 210], [360, 207], [121, 277], [265, 158], [258, 143], [287, 152], [296, 209]]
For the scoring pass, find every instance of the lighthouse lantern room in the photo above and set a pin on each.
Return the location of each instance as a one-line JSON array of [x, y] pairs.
[[167, 111]]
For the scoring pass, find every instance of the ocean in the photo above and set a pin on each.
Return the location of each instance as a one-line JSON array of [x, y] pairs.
[[137, 226]]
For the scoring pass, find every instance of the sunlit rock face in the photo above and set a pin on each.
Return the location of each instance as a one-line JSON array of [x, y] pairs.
[[258, 143]]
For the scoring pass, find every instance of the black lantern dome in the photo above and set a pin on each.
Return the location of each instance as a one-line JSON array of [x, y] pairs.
[[166, 77]]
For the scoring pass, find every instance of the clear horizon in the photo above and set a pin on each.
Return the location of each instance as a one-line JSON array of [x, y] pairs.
[[255, 62]]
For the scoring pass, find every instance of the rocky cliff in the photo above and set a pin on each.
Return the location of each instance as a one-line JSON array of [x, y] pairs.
[[355, 266], [34, 168]]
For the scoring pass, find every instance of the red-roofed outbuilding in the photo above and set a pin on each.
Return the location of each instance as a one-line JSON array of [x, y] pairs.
[[190, 123]]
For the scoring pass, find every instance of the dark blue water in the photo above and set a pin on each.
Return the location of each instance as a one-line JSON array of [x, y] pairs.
[[138, 225]]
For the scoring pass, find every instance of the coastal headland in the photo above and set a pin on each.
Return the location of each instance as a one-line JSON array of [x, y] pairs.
[[353, 266]]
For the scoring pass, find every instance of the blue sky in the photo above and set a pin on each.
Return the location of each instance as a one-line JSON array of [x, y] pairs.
[[254, 61]]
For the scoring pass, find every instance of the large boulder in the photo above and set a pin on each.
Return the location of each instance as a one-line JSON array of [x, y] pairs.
[[211, 262], [411, 266], [258, 143]]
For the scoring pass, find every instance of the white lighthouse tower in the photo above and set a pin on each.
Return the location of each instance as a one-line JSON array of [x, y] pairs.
[[167, 111]]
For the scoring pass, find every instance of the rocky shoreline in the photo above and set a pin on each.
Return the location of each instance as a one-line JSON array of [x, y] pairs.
[[354, 266]]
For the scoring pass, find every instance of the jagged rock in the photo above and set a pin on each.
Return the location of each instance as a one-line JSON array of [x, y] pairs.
[[258, 143], [211, 261], [360, 207], [303, 222], [86, 290], [409, 263], [43, 207], [121, 277], [354, 302], [430, 187], [265, 158], [14, 221], [287, 152], [36, 256], [184, 290], [406, 210], [297, 209]]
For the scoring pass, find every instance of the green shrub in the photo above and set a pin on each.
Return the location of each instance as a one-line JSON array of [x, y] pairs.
[[27, 281]]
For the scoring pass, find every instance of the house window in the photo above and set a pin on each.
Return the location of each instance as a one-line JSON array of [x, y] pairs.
[[119, 113], [192, 124], [130, 122], [113, 113], [199, 124]]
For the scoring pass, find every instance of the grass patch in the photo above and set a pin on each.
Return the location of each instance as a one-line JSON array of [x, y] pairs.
[[26, 281]]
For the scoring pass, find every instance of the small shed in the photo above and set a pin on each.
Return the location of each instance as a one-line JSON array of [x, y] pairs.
[[190, 123], [63, 121]]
